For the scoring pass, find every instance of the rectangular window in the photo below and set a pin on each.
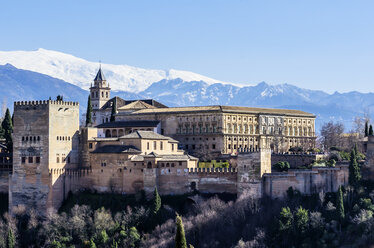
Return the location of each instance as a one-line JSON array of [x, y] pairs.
[[186, 147], [180, 163], [90, 145], [154, 145], [31, 160], [193, 147], [172, 147], [214, 146], [23, 159], [57, 158], [37, 160], [147, 145], [69, 160], [234, 146], [161, 145], [229, 146]]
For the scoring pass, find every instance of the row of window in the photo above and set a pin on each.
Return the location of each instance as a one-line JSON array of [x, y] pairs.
[[62, 159], [201, 118], [193, 146], [234, 118], [30, 160], [241, 146], [30, 138], [96, 94], [234, 128], [240, 139], [63, 138], [161, 146], [207, 138], [197, 129]]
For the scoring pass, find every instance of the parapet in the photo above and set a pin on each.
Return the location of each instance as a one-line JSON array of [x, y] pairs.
[[212, 170], [44, 102], [252, 150]]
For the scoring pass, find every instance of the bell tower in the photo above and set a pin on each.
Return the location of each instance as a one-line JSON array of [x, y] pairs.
[[100, 91]]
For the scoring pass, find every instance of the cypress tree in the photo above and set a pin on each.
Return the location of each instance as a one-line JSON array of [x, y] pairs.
[[354, 169], [89, 112], [340, 204], [366, 128], [114, 110], [180, 238], [156, 202], [8, 129], [92, 244], [371, 130], [10, 240]]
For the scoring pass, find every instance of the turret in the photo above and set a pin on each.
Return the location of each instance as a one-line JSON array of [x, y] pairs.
[[100, 91]]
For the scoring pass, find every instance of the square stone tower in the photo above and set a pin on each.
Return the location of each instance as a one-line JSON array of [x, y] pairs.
[[45, 145]]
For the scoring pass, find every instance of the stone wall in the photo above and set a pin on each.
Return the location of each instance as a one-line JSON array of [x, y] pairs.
[[296, 160], [319, 179], [4, 181]]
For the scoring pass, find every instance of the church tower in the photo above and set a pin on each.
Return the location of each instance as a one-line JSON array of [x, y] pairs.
[[100, 91]]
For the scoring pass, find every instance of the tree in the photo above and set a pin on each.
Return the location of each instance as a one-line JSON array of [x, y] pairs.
[[8, 129], [10, 239], [114, 110], [301, 219], [331, 134], [354, 169], [92, 244], [180, 238], [371, 130], [366, 129], [89, 112], [282, 166], [156, 205], [340, 204], [59, 98], [285, 220]]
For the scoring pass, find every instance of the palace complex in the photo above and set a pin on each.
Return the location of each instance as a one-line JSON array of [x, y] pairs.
[[149, 145], [206, 129]]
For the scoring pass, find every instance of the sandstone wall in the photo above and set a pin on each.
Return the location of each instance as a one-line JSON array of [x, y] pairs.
[[306, 181]]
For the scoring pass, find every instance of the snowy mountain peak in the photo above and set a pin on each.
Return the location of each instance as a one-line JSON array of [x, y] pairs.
[[81, 72]]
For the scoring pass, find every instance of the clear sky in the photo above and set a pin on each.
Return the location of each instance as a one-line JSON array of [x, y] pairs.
[[325, 45]]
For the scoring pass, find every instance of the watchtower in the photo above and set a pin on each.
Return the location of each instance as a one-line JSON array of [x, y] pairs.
[[45, 144], [252, 165]]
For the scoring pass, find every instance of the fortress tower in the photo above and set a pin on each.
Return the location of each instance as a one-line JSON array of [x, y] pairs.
[[252, 165], [45, 144]]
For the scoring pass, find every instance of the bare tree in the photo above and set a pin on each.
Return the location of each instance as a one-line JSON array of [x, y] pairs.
[[331, 134]]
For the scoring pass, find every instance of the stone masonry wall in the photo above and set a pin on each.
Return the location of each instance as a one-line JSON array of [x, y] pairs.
[[306, 181]]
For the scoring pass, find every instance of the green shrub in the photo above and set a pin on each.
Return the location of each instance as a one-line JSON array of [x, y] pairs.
[[282, 166]]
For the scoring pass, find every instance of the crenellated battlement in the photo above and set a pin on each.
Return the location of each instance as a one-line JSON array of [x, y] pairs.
[[252, 150], [212, 170], [43, 103]]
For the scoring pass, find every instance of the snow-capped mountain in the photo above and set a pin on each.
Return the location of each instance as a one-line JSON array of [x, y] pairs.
[[81, 72]]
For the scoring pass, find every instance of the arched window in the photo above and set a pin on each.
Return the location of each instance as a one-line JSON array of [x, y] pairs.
[[102, 94], [108, 134], [235, 128], [107, 95], [97, 94], [114, 133], [149, 165], [120, 132]]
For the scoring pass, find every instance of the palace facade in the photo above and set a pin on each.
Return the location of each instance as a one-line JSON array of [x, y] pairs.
[[213, 130]]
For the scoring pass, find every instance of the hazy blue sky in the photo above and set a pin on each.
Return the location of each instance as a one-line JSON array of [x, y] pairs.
[[324, 45]]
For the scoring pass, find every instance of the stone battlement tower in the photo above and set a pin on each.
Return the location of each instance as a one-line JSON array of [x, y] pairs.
[[45, 141]]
